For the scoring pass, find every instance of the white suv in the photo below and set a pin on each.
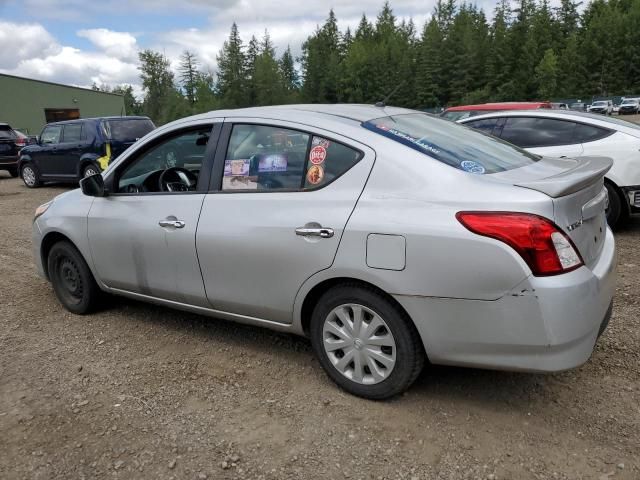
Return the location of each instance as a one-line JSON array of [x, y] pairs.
[[569, 134]]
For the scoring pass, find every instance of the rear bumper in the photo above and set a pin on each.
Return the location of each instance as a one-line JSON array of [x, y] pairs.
[[545, 324], [632, 195], [8, 161]]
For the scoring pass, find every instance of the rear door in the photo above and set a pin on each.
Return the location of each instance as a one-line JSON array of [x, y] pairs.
[[548, 137], [281, 197], [70, 148]]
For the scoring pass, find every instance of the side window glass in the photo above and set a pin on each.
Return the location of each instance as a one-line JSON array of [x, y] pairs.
[[172, 165], [261, 157], [51, 134], [328, 160], [529, 132], [589, 133], [72, 132], [486, 125]]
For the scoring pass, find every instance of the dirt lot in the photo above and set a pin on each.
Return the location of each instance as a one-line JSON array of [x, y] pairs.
[[138, 391]]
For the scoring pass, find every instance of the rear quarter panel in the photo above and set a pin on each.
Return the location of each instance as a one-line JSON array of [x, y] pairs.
[[624, 149]]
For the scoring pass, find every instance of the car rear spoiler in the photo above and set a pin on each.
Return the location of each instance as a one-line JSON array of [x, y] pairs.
[[567, 176]]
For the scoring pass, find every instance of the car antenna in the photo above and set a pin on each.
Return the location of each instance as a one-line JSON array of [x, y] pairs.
[[383, 103]]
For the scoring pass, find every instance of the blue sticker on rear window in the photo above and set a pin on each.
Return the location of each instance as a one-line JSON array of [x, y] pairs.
[[472, 167]]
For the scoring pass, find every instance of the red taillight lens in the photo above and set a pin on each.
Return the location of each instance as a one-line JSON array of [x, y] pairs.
[[21, 142], [545, 248]]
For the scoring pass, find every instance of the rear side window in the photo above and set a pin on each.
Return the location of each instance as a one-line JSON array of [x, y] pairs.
[[589, 133], [451, 143], [72, 132], [51, 134], [127, 130], [530, 132], [270, 158], [485, 125]]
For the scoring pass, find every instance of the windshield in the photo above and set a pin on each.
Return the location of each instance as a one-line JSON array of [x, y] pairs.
[[458, 146], [629, 102], [599, 104], [127, 130]]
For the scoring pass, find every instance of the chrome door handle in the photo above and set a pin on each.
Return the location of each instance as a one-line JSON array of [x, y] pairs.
[[171, 223], [315, 232]]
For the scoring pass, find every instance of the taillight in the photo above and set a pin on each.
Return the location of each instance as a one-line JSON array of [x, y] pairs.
[[542, 245], [21, 142]]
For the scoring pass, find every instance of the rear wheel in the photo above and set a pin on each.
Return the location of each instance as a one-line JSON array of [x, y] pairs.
[[72, 281], [365, 343], [614, 211], [30, 175]]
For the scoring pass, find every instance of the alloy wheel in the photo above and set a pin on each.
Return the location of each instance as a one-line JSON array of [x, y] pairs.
[[29, 176], [359, 344]]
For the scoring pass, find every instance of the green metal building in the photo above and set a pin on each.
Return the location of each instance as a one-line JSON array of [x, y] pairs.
[[27, 105]]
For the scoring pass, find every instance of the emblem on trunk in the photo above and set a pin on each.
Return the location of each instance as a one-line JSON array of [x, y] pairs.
[[575, 225]]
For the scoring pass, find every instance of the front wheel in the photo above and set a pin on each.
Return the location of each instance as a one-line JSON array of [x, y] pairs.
[[72, 280], [365, 343], [30, 176]]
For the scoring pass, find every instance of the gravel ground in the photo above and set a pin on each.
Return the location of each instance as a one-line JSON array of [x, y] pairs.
[[138, 391]]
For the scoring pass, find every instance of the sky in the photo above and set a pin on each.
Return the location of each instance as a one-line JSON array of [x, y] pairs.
[[81, 42]]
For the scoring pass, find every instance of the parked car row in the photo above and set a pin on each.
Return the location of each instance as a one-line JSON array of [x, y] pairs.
[[567, 134], [68, 151], [12, 141], [386, 235]]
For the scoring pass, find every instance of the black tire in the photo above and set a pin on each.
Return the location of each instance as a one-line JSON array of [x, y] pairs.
[[409, 355], [32, 179], [13, 172], [614, 212], [90, 169], [72, 281]]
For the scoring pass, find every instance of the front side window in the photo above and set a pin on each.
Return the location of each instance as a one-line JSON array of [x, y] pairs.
[[72, 132], [531, 132], [171, 165], [450, 143], [51, 134]]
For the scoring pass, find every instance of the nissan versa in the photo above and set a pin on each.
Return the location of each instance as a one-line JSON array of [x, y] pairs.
[[387, 236]]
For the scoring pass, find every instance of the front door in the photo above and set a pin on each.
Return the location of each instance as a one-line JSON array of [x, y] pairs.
[[142, 236], [45, 155], [284, 197]]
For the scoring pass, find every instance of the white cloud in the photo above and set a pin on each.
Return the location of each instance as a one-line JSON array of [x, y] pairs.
[[122, 45], [23, 41]]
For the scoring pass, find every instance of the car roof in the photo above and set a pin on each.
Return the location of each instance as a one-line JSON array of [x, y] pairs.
[[582, 117], [5, 125], [498, 106], [355, 112]]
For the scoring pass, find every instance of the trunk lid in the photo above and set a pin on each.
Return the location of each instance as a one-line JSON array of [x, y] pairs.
[[576, 188]]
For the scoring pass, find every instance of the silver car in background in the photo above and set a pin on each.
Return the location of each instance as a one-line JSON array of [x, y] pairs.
[[387, 236]]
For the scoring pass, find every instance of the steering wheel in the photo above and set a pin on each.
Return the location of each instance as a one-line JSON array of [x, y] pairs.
[[177, 179]]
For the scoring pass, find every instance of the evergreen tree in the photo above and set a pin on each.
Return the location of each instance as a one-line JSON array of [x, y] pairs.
[[131, 104], [267, 79], [547, 75], [189, 75], [157, 82], [289, 74], [231, 85]]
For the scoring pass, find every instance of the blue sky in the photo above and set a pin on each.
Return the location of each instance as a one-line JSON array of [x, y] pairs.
[[80, 42]]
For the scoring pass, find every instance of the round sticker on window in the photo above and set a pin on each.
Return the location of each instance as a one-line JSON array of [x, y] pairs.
[[315, 174], [472, 167], [317, 154]]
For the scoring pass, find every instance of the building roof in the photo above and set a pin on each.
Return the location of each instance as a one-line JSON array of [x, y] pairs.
[[60, 85]]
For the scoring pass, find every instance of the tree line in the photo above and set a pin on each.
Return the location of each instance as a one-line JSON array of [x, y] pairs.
[[528, 51]]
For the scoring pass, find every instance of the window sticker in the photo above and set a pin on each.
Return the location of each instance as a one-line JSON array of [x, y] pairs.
[[315, 174], [317, 155], [236, 175], [420, 142], [472, 167], [274, 162], [323, 142]]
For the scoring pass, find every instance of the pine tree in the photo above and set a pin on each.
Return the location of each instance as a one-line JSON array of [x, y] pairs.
[[189, 74], [157, 82], [231, 85], [547, 75], [267, 80], [289, 73]]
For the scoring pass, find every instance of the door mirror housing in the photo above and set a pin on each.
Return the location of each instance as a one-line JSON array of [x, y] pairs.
[[93, 186]]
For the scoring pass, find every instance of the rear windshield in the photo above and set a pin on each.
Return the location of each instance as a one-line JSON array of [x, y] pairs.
[[6, 132], [127, 130], [455, 115], [460, 147]]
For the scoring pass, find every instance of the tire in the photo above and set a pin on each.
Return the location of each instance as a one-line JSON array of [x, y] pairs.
[[72, 281], [90, 170], [614, 212], [30, 175], [13, 172], [397, 342]]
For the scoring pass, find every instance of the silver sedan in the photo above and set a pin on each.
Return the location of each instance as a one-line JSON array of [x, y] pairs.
[[389, 237]]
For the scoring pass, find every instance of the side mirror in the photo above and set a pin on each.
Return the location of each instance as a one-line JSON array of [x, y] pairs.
[[93, 186]]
